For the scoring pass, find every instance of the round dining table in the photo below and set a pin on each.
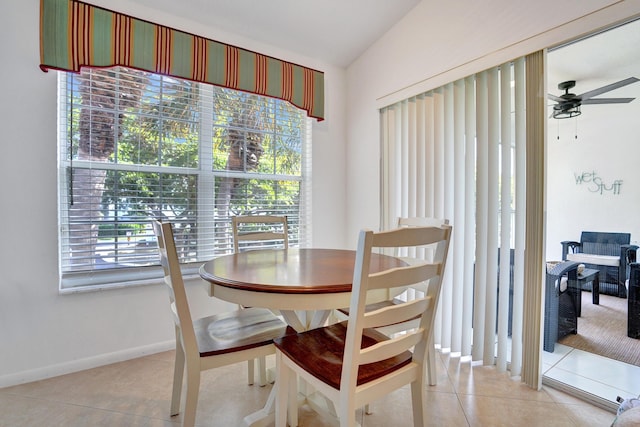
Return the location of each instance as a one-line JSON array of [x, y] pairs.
[[304, 285]]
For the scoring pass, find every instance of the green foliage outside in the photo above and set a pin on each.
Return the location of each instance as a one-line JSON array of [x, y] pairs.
[[158, 124]]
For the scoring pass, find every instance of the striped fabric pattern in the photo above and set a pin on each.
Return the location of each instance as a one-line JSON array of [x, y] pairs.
[[74, 34]]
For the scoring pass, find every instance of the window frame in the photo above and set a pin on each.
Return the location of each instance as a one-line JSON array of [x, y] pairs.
[[119, 277]]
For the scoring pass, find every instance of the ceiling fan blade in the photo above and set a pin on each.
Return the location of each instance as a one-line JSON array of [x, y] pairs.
[[608, 101], [555, 98], [607, 88]]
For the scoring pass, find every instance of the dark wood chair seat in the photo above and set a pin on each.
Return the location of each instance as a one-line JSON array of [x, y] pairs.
[[320, 352]]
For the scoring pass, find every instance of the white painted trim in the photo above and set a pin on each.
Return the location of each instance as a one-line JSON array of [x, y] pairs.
[[617, 13]]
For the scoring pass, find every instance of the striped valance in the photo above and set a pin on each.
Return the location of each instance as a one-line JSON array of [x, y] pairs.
[[75, 35]]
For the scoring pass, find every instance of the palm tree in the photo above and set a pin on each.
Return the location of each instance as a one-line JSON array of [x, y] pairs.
[[100, 125], [244, 152]]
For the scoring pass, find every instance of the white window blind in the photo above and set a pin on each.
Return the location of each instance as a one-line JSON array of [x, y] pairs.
[[136, 146]]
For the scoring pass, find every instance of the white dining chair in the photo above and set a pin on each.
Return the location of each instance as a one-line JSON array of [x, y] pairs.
[[252, 232], [400, 295], [352, 363], [209, 342]]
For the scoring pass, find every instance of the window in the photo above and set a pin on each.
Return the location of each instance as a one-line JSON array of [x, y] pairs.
[[134, 146]]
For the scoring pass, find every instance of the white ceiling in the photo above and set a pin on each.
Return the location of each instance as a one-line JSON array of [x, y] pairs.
[[339, 31], [335, 31], [597, 61]]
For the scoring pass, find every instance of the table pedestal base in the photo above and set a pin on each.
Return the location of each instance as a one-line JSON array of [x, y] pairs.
[[267, 415]]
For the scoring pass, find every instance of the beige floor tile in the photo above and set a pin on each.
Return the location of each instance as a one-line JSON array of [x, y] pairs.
[[587, 415], [492, 411], [442, 409], [487, 381], [17, 411], [139, 386], [138, 392]]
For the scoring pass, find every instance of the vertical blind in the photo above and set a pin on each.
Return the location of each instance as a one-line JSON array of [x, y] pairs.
[[456, 152]]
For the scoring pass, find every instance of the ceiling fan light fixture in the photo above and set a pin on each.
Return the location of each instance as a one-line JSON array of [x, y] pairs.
[[566, 113]]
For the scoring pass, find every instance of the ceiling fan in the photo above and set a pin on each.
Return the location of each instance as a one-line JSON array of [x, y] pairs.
[[568, 104]]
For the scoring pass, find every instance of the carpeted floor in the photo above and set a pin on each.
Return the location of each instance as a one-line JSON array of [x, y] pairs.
[[602, 330]]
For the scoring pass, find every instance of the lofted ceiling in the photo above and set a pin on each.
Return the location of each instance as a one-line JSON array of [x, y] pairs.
[[336, 31], [339, 31]]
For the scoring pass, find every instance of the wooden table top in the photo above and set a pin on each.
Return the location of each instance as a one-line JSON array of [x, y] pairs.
[[290, 271]]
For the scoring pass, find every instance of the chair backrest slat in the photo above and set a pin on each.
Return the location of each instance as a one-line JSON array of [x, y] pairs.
[[387, 349], [412, 255], [404, 276], [259, 231], [393, 314]]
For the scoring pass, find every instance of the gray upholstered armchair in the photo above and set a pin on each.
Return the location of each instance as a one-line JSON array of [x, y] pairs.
[[560, 307], [610, 253]]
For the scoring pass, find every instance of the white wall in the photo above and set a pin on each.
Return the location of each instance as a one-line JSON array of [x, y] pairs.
[[609, 145], [44, 333], [431, 47]]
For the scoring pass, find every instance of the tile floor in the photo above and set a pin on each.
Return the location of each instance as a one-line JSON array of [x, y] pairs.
[[597, 379], [137, 393]]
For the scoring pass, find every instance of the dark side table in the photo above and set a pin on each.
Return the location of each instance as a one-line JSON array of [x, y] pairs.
[[588, 275], [633, 314]]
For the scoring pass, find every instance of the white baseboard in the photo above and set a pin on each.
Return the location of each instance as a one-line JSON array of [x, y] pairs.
[[83, 364]]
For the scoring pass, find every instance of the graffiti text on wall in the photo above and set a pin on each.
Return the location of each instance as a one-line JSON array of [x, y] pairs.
[[595, 184]]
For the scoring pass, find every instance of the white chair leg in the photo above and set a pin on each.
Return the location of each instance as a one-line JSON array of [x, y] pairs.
[[250, 371], [293, 399], [191, 401], [347, 415], [178, 374], [262, 371], [282, 385], [417, 402], [432, 376]]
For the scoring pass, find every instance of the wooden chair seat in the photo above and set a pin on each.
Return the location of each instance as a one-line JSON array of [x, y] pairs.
[[320, 352], [238, 330]]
